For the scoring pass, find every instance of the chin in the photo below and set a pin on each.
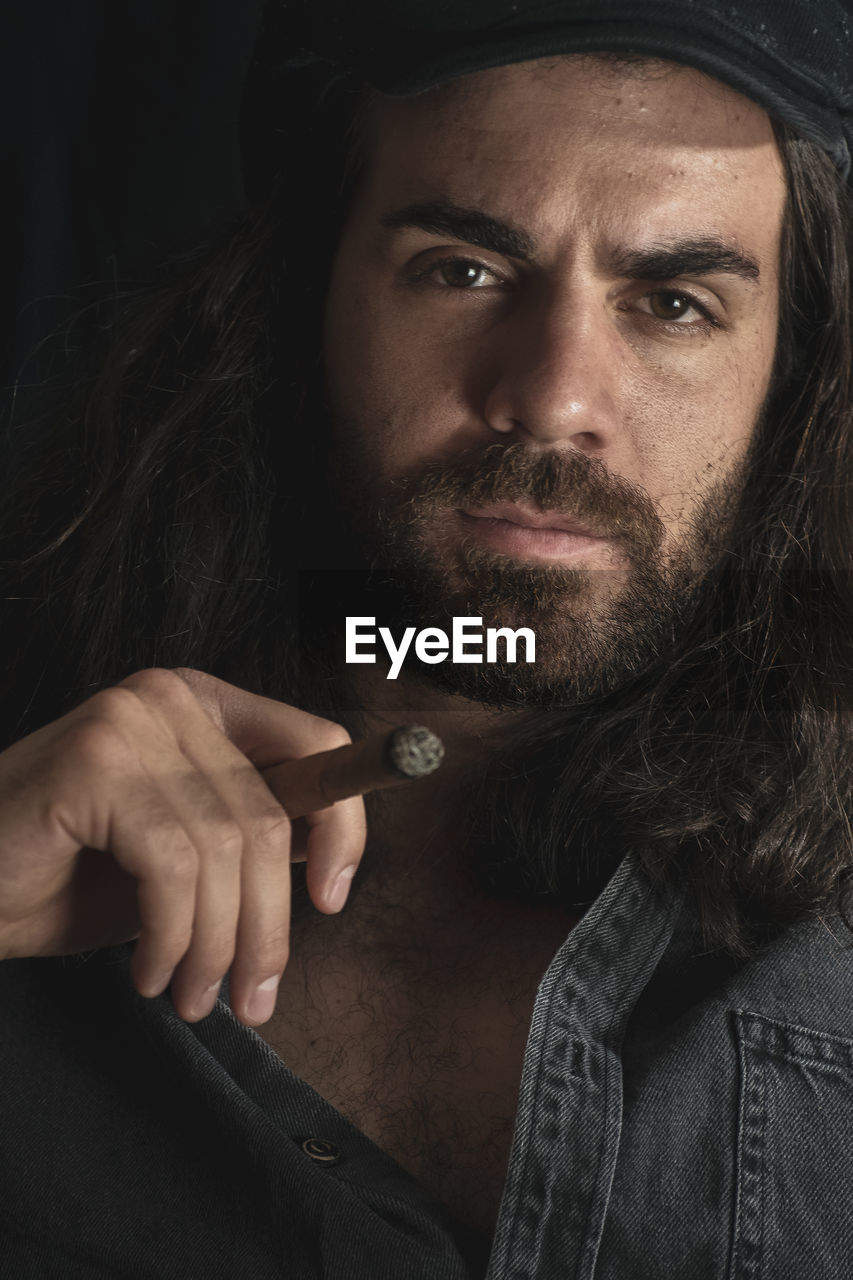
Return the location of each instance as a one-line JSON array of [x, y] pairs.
[[595, 630]]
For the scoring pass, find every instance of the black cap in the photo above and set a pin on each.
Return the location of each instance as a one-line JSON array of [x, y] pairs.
[[792, 57]]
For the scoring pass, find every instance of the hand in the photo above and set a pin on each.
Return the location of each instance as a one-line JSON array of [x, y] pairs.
[[142, 814]]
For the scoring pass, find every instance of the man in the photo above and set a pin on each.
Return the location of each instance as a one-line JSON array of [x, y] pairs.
[[588, 1010]]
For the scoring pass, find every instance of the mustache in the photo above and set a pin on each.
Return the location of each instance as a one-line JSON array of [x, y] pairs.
[[567, 482]]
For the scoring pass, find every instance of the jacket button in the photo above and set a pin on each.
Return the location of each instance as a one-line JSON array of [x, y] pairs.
[[322, 1151]]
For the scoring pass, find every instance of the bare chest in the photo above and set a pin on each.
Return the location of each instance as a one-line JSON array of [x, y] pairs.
[[435, 1085]]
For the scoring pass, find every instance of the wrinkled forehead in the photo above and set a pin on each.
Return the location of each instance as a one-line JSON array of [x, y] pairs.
[[643, 101], [535, 140]]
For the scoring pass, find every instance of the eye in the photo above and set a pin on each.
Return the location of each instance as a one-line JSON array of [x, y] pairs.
[[676, 308], [459, 273]]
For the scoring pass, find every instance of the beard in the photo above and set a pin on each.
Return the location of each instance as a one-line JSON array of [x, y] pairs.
[[595, 628]]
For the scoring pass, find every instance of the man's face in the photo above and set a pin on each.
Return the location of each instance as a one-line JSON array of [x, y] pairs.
[[550, 332]]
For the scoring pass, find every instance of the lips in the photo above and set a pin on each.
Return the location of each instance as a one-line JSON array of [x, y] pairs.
[[531, 518]]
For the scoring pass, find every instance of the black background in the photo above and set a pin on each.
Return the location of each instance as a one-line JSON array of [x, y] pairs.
[[119, 145]]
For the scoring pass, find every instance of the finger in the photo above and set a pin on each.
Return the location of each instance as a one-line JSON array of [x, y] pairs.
[[263, 932], [310, 788], [243, 910], [336, 840], [315, 782], [219, 839], [150, 841], [243, 896]]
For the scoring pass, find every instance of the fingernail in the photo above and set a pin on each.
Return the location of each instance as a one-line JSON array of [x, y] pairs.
[[262, 1000], [206, 1001], [338, 894], [158, 986]]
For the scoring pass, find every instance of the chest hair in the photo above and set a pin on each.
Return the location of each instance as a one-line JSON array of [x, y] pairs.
[[425, 1059]]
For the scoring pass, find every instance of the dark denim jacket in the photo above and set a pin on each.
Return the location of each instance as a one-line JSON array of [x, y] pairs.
[[682, 1117]]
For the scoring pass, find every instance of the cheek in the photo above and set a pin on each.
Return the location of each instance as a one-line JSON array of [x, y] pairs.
[[692, 430], [394, 401], [351, 346], [361, 375]]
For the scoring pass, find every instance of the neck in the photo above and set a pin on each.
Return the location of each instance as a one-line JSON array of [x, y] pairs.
[[418, 848]]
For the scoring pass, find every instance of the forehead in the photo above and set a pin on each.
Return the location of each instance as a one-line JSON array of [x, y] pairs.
[[544, 142]]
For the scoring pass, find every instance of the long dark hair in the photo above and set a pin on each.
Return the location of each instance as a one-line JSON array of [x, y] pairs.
[[146, 523]]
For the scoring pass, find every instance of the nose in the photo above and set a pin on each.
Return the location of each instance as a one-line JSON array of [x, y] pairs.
[[554, 375]]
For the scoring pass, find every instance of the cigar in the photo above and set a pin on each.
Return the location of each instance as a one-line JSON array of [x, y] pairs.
[[315, 782]]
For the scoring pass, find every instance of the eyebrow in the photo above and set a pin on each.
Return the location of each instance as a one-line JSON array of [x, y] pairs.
[[694, 256], [444, 218], [700, 256]]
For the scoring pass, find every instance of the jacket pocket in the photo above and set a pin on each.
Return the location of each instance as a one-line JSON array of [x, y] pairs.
[[793, 1215]]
